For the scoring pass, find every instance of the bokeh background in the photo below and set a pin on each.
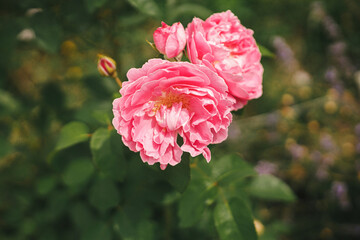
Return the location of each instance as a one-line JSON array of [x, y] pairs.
[[305, 128]]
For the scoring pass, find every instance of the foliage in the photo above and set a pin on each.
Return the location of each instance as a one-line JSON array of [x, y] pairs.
[[65, 173]]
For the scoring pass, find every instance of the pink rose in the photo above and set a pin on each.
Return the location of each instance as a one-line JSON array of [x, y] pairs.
[[227, 47], [165, 99], [170, 40]]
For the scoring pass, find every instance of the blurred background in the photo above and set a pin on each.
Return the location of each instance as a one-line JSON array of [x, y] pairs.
[[305, 128]]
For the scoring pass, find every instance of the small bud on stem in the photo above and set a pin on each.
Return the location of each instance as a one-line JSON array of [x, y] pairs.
[[107, 67]]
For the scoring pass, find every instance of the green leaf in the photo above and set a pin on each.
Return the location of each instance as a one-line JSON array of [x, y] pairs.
[[146, 231], [102, 117], [123, 226], [48, 31], [106, 148], [9, 29], [266, 52], [171, 197], [78, 172], [128, 229], [148, 7], [45, 185], [82, 217], [27, 226], [98, 231], [57, 204], [99, 139], [179, 175], [104, 195], [231, 168], [200, 192], [5, 147], [193, 202], [233, 220], [189, 9], [132, 20], [71, 134], [8, 103], [207, 181], [95, 111], [92, 5], [271, 188]]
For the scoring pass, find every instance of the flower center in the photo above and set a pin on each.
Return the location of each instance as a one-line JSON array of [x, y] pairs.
[[168, 99]]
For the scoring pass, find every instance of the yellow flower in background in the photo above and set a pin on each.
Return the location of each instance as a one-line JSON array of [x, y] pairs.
[[259, 227]]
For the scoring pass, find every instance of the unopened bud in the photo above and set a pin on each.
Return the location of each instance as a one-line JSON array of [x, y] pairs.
[[106, 66], [170, 40]]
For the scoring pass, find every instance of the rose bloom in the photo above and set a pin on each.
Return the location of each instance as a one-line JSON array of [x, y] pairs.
[[227, 47], [170, 40], [165, 100]]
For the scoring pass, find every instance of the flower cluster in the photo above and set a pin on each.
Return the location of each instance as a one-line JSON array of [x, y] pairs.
[[166, 100]]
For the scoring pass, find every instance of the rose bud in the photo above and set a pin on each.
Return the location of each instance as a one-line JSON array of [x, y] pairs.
[[170, 40], [106, 65]]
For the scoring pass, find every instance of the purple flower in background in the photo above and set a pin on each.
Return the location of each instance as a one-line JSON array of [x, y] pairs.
[[285, 54], [331, 74], [265, 167], [316, 156], [337, 48], [357, 129], [272, 119], [340, 191], [297, 151], [323, 161], [328, 159], [331, 27], [322, 172], [327, 142], [358, 147]]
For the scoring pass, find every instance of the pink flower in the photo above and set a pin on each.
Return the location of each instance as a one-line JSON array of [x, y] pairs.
[[227, 47], [170, 40], [165, 99]]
